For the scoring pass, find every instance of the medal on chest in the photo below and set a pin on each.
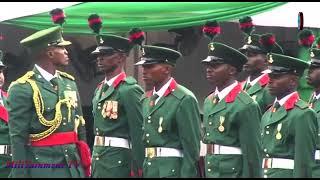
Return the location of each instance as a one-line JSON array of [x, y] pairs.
[[221, 127]]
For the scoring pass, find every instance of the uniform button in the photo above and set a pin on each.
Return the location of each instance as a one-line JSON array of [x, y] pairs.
[[265, 176], [37, 158], [172, 170], [318, 134], [261, 134], [209, 170], [267, 127], [66, 155], [267, 155], [119, 162], [267, 132], [149, 117], [265, 150], [149, 121], [149, 163], [142, 128], [64, 118], [97, 133], [64, 123], [99, 104], [210, 123], [148, 141], [265, 171], [97, 158], [208, 134], [208, 162], [48, 108], [97, 129], [232, 168], [66, 150], [147, 135], [99, 107], [39, 76]]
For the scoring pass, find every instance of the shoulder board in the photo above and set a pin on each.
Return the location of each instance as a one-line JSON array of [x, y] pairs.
[[245, 98], [180, 92], [302, 104], [130, 80], [22, 79], [66, 75]]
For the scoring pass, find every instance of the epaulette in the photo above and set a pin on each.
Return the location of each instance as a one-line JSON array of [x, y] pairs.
[[302, 104], [130, 80], [22, 79], [66, 75], [245, 98]]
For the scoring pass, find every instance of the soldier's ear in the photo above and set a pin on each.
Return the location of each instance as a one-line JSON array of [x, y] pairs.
[[50, 53]]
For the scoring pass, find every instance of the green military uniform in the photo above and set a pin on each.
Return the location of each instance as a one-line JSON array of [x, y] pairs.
[[229, 122], [45, 119], [288, 130], [171, 127], [259, 91], [314, 103], [5, 153], [112, 156]]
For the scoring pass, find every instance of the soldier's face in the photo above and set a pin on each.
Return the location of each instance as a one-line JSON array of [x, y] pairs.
[[2, 80], [108, 63], [255, 64], [281, 84], [313, 77], [154, 73], [59, 55], [217, 74]]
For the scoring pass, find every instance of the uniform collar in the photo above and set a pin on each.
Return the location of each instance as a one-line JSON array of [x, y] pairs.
[[259, 78], [163, 89], [110, 82], [45, 74], [289, 100], [222, 94]]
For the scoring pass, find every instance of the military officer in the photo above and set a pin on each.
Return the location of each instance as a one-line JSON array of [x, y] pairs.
[[117, 112], [171, 127], [231, 118], [257, 69], [313, 79], [5, 154], [289, 127], [46, 125]]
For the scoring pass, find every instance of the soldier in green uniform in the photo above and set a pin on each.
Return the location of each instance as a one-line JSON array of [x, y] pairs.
[[257, 69], [46, 125], [5, 153], [313, 79], [231, 118], [171, 126], [289, 127], [117, 112]]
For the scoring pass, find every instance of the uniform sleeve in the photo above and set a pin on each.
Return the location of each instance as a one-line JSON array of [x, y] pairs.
[[249, 136], [133, 107], [20, 104], [305, 143], [188, 122], [82, 127]]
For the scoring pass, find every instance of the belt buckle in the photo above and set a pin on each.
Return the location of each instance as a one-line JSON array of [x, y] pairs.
[[151, 152], [267, 163], [99, 140]]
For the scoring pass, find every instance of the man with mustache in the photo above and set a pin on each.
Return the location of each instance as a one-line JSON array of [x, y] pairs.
[[313, 79], [257, 69], [171, 127], [289, 127], [5, 153], [118, 150], [46, 124], [231, 118]]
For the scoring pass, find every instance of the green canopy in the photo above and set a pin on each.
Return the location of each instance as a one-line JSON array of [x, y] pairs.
[[119, 17]]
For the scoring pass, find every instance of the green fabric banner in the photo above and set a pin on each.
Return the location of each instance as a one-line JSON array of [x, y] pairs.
[[120, 17]]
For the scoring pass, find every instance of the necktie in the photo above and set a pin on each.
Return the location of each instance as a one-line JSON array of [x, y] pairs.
[[153, 99], [276, 106], [248, 86], [215, 99], [54, 82], [104, 88], [314, 99]]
